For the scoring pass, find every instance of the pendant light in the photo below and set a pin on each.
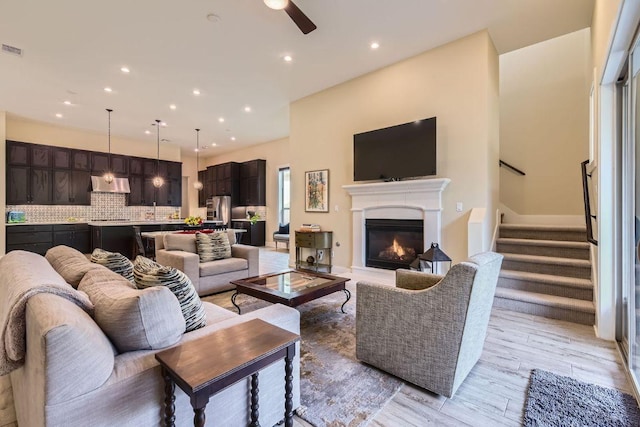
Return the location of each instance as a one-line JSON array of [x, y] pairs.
[[158, 181], [197, 185], [108, 175]]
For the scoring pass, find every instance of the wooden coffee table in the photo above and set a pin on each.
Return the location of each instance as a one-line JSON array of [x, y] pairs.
[[291, 287]]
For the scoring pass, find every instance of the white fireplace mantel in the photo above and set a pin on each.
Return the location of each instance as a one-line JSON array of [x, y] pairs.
[[412, 199]]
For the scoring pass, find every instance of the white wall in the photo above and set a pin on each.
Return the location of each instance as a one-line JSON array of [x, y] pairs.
[[544, 124]]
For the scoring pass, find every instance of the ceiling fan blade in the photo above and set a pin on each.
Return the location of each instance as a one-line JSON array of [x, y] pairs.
[[300, 19]]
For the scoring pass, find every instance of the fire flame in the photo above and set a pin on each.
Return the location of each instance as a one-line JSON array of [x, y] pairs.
[[397, 248]]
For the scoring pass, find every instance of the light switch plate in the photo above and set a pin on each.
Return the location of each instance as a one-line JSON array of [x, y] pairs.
[[459, 207]]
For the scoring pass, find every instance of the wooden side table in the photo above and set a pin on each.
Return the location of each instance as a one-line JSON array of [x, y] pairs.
[[209, 364]]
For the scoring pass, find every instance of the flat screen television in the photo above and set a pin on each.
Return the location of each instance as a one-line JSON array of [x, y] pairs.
[[396, 152]]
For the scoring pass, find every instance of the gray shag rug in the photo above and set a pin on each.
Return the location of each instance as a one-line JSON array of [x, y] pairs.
[[335, 388], [554, 400]]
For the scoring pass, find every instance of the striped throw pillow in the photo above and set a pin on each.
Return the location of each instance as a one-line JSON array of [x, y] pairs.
[[115, 262], [149, 273], [213, 246]]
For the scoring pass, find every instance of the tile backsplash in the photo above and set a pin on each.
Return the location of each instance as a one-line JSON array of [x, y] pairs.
[[104, 206]]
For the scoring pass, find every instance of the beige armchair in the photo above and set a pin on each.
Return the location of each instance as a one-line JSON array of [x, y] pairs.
[[428, 330], [179, 251]]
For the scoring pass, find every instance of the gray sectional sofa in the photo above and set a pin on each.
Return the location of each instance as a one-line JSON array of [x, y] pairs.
[[73, 374]]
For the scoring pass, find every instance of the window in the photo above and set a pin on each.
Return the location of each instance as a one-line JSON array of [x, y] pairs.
[[284, 195]]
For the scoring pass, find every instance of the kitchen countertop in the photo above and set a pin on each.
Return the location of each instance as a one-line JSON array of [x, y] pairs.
[[110, 223], [247, 220]]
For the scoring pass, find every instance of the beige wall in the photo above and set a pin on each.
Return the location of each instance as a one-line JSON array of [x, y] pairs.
[[544, 125], [26, 130], [277, 155], [3, 173], [457, 82]]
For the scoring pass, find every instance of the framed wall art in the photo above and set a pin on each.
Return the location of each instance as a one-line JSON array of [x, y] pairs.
[[316, 193]]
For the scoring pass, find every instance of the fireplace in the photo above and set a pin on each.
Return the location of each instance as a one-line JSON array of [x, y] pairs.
[[393, 243]]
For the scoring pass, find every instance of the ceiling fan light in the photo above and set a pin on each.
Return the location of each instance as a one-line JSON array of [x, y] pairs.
[[276, 4]]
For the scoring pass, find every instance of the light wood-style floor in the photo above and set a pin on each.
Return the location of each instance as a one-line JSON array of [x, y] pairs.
[[494, 392]]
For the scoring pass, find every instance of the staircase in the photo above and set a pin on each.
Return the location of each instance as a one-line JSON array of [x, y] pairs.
[[546, 271]]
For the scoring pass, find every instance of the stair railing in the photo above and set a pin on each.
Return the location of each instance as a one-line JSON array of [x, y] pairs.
[[588, 216], [513, 168]]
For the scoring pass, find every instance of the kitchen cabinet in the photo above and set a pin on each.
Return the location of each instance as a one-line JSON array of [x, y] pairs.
[[136, 166], [170, 194], [71, 187], [254, 235], [76, 236], [100, 164], [115, 238], [253, 186], [202, 199], [149, 167], [32, 238], [61, 158], [81, 160], [170, 170], [28, 176]]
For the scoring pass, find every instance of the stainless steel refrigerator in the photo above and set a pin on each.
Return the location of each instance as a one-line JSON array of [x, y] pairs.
[[219, 209]]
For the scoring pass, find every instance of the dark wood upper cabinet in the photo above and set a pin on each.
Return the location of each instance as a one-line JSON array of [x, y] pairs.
[[253, 186], [149, 167], [61, 187], [18, 153], [174, 170], [61, 158], [40, 156], [40, 186], [136, 197], [202, 194], [81, 160], [80, 188], [136, 166], [18, 185], [99, 163], [119, 165]]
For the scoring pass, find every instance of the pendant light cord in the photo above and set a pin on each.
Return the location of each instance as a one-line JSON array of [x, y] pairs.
[[197, 150], [158, 156], [109, 110]]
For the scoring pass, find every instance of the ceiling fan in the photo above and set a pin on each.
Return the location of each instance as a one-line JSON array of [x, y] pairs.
[[294, 12]]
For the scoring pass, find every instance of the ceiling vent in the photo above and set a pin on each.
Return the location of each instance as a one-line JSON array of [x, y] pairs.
[[11, 49]]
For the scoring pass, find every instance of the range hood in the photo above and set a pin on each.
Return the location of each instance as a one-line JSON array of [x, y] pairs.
[[119, 185]]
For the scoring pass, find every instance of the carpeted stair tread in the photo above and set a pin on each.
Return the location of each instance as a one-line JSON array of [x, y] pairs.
[[538, 259], [547, 278], [534, 242], [546, 300]]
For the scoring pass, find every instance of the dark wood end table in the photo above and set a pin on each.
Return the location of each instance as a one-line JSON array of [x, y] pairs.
[[205, 366]]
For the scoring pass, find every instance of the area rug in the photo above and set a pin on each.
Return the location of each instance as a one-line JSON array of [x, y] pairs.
[[554, 400], [335, 388]]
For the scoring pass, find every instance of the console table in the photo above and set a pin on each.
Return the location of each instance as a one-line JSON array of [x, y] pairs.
[[209, 364], [320, 243]]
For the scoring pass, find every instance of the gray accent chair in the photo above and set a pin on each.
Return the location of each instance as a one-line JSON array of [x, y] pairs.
[[429, 330]]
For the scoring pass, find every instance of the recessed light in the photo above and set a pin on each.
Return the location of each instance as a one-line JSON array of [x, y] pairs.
[[108, 89], [196, 92], [148, 132], [67, 102], [233, 138], [247, 109], [374, 45], [288, 58], [58, 115], [163, 124], [173, 106], [125, 70], [196, 150], [221, 119], [213, 144]]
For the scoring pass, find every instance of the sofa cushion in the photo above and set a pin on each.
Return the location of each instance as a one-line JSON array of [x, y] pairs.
[[148, 273], [213, 246], [180, 242], [115, 262], [133, 319], [70, 263], [222, 266]]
